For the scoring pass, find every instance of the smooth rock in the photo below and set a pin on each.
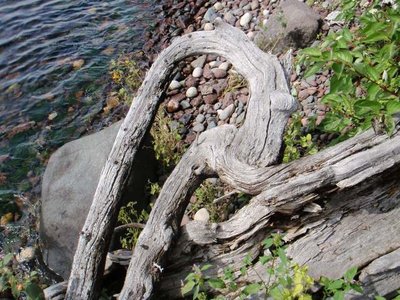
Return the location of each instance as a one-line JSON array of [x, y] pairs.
[[198, 128], [172, 106], [218, 73], [202, 215], [226, 113], [206, 89], [245, 19], [68, 186], [225, 66], [197, 72], [210, 15], [230, 18], [174, 85], [199, 62], [200, 118], [185, 104], [208, 27], [218, 6], [210, 99], [191, 92], [292, 25]]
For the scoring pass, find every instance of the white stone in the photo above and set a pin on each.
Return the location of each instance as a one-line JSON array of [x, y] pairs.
[[174, 85], [245, 19], [52, 116], [202, 215], [265, 12], [214, 64], [226, 113], [251, 35], [225, 66], [218, 6], [191, 92], [208, 27], [197, 72], [26, 254]]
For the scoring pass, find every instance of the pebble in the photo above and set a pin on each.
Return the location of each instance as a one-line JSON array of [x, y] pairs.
[[211, 125], [197, 72], [245, 19], [254, 4], [210, 99], [218, 73], [202, 215], [230, 18], [199, 62], [208, 27], [265, 12], [217, 105], [191, 92], [172, 106], [226, 113], [198, 128], [185, 104], [174, 85], [206, 89], [210, 15], [214, 64], [240, 118], [200, 118], [26, 254], [224, 66], [218, 6]]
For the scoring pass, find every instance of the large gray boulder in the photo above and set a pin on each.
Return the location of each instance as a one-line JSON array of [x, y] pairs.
[[292, 25], [69, 183]]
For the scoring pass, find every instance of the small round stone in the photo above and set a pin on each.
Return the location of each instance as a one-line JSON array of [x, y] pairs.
[[218, 73], [172, 106], [218, 6], [198, 128], [202, 215], [174, 85], [245, 19], [200, 118], [191, 92], [197, 72], [208, 27], [225, 66]]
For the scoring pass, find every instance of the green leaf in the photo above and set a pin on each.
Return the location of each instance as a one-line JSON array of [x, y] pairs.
[[376, 37], [34, 292], [393, 107], [356, 287], [389, 124], [252, 289], [311, 52], [282, 256], [338, 68], [372, 90], [216, 283], [367, 71], [380, 298], [7, 258], [344, 55], [205, 267], [365, 106], [196, 292], [334, 285], [350, 273], [339, 295], [341, 83], [316, 67], [267, 243], [188, 287]]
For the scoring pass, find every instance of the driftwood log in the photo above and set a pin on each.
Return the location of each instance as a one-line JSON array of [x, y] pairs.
[[247, 159]]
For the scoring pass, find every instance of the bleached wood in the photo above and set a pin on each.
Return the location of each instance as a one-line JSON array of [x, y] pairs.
[[241, 157]]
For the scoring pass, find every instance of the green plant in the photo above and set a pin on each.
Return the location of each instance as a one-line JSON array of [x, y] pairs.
[[205, 195], [235, 82], [18, 284], [365, 86], [127, 215], [297, 144], [286, 279], [166, 141], [126, 75]]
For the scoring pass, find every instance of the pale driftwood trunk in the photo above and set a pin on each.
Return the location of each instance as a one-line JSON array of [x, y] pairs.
[[242, 157]]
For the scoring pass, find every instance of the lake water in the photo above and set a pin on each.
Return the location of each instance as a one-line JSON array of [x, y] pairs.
[[54, 60]]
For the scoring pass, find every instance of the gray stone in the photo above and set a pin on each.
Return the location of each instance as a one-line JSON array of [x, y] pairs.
[[226, 113], [198, 128], [218, 6], [208, 27], [292, 25], [174, 85], [210, 15], [200, 118], [230, 18], [199, 62], [211, 125], [185, 104], [191, 92], [69, 183]]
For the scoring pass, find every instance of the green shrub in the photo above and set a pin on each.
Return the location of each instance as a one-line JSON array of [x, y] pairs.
[[364, 88], [18, 284], [286, 280]]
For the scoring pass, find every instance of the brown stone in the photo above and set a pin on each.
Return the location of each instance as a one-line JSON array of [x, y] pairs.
[[206, 89], [303, 94], [196, 101], [210, 99], [172, 106], [20, 128], [191, 81], [207, 72], [228, 99], [178, 97], [218, 73]]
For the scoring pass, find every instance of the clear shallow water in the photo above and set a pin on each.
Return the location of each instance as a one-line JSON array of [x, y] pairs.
[[54, 59]]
